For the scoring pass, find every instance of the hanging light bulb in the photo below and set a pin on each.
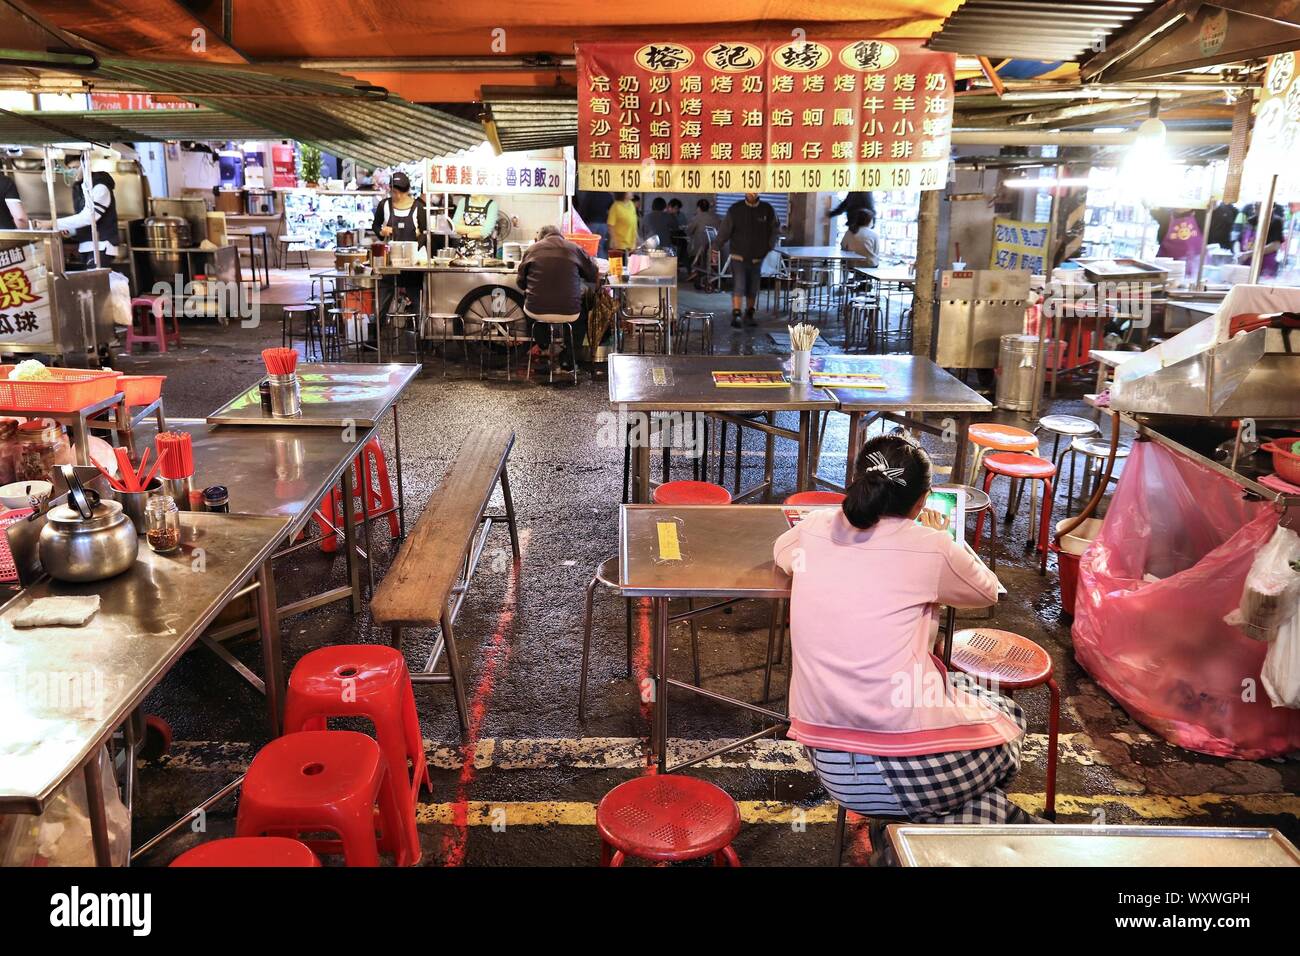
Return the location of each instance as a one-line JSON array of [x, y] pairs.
[[1152, 132]]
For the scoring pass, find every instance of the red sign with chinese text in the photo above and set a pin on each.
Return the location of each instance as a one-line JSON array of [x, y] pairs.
[[797, 116]]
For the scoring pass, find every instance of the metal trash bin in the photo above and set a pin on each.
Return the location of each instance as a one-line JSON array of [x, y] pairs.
[[1018, 376]]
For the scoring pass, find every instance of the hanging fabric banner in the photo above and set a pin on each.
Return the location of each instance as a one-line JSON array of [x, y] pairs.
[[798, 116], [1018, 245]]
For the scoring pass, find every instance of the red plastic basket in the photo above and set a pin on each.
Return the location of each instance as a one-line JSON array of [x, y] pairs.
[[589, 242], [140, 389], [68, 390], [1285, 462]]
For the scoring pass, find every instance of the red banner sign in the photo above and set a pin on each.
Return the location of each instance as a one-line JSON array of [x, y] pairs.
[[798, 116]]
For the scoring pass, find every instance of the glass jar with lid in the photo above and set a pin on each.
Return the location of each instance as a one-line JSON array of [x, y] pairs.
[[42, 446], [162, 524]]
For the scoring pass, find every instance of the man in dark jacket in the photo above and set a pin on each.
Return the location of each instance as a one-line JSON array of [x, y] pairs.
[[552, 273], [751, 227]]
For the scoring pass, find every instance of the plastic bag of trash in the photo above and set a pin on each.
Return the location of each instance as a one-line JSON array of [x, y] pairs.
[[61, 835], [1161, 648], [1272, 590], [119, 299], [1281, 674]]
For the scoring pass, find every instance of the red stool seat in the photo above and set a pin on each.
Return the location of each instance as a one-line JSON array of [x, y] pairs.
[[1009, 662], [331, 781], [667, 818], [362, 680], [249, 851], [1002, 437], [1015, 465], [691, 493], [815, 498], [1012, 661]]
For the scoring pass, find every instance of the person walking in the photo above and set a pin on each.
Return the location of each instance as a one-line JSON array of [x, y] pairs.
[[752, 228], [622, 225]]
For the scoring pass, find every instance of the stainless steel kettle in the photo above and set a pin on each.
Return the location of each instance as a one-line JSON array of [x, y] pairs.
[[87, 539]]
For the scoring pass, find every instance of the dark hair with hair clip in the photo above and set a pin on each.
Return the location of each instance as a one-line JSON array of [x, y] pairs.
[[893, 472]]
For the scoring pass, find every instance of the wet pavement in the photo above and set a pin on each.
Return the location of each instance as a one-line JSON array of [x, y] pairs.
[[522, 789]]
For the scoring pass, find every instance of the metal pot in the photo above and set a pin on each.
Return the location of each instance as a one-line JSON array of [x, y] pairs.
[[347, 257], [86, 539], [347, 237], [166, 236]]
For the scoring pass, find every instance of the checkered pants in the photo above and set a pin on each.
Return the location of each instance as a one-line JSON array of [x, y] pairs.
[[961, 786]]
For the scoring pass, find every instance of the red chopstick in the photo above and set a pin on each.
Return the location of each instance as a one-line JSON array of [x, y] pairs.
[[125, 471], [116, 485]]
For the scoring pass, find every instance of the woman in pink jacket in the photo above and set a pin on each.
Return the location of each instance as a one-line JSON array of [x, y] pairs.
[[889, 732]]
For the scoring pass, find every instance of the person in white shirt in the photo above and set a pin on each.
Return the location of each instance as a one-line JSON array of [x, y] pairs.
[[861, 239], [103, 209]]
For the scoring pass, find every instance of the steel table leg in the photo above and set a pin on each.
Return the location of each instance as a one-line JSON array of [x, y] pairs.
[[94, 779], [641, 468], [855, 437], [661, 681], [350, 537], [401, 494], [268, 626], [959, 455], [805, 446]]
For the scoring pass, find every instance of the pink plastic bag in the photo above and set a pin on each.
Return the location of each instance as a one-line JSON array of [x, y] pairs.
[[1161, 648]]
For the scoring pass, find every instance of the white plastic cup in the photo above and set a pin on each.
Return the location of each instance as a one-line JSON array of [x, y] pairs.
[[799, 365]]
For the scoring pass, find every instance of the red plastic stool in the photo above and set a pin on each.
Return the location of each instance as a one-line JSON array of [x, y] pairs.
[[249, 851], [691, 493], [994, 436], [361, 680], [151, 317], [1011, 662], [1021, 467], [370, 463], [667, 818], [328, 780], [815, 498]]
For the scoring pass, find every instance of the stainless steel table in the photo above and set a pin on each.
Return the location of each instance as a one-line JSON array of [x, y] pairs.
[[684, 383], [149, 616], [1084, 845], [333, 396], [285, 472], [915, 387], [698, 551], [823, 254]]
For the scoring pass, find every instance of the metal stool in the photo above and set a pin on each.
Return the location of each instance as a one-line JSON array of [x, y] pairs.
[[1071, 426], [567, 322], [641, 327], [876, 832], [686, 327], [1095, 451], [444, 324], [404, 320], [338, 320], [994, 436], [287, 316], [1011, 662], [499, 329], [286, 247]]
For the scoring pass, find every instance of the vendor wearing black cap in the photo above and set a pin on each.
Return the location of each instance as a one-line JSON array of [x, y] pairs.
[[401, 218], [102, 211]]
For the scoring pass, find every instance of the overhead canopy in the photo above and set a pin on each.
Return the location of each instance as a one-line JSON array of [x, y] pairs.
[[523, 118], [1037, 29], [124, 126]]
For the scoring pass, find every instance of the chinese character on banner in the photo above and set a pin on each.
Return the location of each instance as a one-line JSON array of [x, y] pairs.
[[24, 308], [491, 173], [1018, 245], [795, 116]]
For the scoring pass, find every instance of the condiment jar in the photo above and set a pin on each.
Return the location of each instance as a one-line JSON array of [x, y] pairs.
[[216, 498], [162, 523], [42, 447]]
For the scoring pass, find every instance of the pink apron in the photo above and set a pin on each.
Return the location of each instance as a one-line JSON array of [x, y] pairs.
[[1183, 240]]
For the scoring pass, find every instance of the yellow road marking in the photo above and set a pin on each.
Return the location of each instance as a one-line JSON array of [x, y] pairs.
[[565, 813]]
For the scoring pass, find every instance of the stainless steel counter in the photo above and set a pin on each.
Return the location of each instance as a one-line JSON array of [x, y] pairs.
[[71, 687], [1084, 845], [688, 385], [914, 384], [333, 396]]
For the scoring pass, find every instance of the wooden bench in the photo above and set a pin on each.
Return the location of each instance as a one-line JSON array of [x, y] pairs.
[[427, 583]]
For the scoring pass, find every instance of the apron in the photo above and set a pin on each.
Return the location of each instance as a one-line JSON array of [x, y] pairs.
[[1184, 240], [1268, 265], [402, 222]]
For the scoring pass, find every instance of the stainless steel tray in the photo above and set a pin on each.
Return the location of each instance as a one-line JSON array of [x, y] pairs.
[[1086, 845]]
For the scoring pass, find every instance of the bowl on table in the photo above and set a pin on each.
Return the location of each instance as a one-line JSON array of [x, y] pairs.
[[25, 494]]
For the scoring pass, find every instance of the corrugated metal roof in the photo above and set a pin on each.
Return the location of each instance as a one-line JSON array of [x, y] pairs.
[[524, 118], [125, 126], [1035, 29], [333, 112]]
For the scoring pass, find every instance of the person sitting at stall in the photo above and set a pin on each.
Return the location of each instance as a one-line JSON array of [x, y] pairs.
[[887, 729], [697, 238], [861, 239], [102, 211], [12, 215], [551, 273], [1272, 240], [622, 222], [400, 217]]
